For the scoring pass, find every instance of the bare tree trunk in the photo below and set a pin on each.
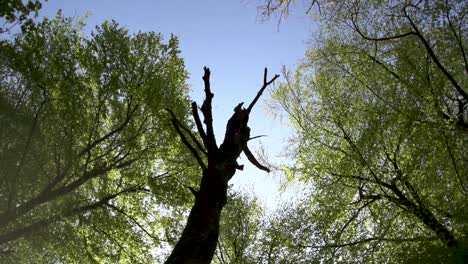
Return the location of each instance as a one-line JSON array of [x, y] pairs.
[[198, 241]]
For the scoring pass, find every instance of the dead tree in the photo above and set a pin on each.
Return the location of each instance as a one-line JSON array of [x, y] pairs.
[[198, 241]]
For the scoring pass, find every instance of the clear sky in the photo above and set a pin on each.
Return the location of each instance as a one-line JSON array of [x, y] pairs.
[[230, 38]]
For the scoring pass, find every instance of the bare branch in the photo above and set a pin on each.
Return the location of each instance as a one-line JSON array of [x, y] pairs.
[[253, 160], [185, 141], [265, 85], [199, 125], [259, 136], [199, 145], [206, 110], [194, 192]]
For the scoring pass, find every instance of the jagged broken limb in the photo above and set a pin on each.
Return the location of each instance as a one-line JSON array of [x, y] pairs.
[[197, 243]]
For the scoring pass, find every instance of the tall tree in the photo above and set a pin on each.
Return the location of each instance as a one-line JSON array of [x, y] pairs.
[[239, 229], [198, 241], [380, 111], [86, 149]]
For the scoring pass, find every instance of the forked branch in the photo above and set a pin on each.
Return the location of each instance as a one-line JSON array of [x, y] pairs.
[[265, 85]]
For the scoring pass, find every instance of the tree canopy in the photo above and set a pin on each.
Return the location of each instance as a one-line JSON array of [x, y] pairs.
[[100, 158], [379, 109], [87, 150]]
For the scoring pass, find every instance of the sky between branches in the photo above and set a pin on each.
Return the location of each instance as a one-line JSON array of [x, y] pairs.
[[234, 41]]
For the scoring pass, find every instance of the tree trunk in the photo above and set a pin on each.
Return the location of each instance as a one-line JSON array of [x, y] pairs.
[[200, 236]]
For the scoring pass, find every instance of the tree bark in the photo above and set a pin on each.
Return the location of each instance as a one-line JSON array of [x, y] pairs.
[[198, 241]]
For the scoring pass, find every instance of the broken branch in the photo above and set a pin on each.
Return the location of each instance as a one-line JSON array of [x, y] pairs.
[[206, 110], [253, 160]]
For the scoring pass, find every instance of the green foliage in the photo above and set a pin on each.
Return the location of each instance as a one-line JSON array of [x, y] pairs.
[[86, 148], [379, 110], [240, 226], [18, 12]]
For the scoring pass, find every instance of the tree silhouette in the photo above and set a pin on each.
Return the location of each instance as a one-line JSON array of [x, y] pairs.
[[198, 241]]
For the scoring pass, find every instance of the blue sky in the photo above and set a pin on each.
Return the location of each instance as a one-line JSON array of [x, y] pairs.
[[230, 38]]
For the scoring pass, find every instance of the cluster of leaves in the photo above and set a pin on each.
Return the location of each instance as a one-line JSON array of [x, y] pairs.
[[249, 234], [240, 224], [16, 12], [87, 151], [380, 113]]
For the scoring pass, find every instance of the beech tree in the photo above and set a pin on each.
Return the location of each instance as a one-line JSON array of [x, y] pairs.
[[241, 222], [379, 110], [87, 151]]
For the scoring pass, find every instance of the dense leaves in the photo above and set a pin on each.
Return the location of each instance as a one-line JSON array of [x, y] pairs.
[[380, 112], [87, 152], [92, 170], [240, 226], [18, 12]]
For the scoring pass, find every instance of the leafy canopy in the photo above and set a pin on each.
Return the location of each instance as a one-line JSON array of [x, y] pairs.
[[86, 149], [380, 113]]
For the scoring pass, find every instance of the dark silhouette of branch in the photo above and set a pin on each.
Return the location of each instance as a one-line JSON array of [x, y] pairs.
[[186, 142], [455, 167], [364, 36], [192, 136], [192, 190], [44, 197], [12, 187], [434, 57], [257, 137], [121, 211], [199, 125], [374, 59], [370, 239], [253, 160], [39, 225], [207, 114], [127, 120], [346, 136], [265, 85], [457, 37], [353, 217]]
